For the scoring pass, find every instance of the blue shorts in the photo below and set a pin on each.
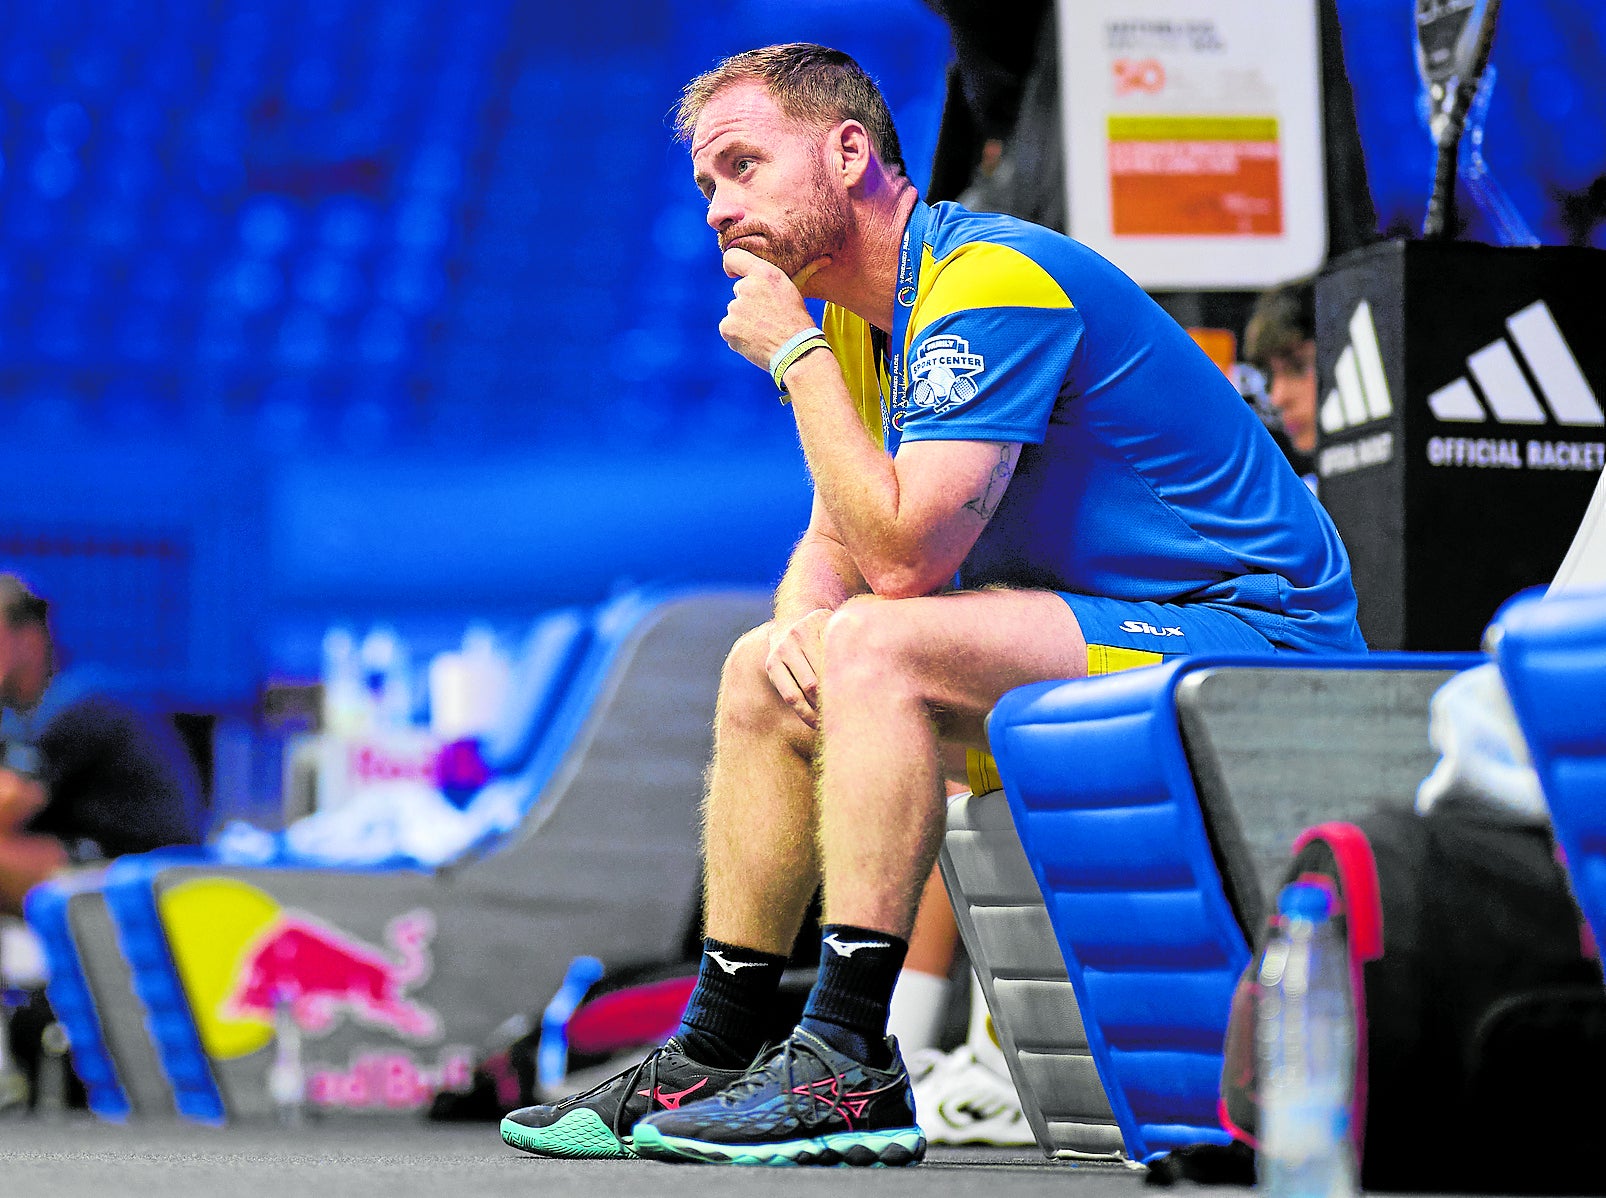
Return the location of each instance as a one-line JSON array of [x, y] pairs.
[[1122, 633]]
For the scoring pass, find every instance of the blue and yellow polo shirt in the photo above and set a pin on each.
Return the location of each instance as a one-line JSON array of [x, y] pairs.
[[1143, 473]]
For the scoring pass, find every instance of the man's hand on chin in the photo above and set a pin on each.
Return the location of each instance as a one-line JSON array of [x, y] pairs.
[[766, 307]]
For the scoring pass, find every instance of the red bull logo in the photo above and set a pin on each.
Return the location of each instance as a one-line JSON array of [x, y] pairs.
[[321, 972], [239, 952]]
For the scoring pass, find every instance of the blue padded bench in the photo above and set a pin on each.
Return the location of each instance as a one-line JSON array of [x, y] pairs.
[[426, 964], [86, 923], [1156, 808], [1551, 652]]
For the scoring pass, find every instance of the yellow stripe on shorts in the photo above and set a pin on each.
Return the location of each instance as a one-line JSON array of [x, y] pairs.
[[980, 768]]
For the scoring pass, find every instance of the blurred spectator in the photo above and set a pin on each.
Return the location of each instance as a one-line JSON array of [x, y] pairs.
[[1000, 146], [999, 143], [83, 775], [1280, 341]]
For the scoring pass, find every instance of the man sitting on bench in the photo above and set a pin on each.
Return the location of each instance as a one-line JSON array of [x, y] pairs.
[[1024, 470]]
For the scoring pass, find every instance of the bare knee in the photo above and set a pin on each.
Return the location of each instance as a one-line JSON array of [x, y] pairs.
[[867, 647], [749, 704]]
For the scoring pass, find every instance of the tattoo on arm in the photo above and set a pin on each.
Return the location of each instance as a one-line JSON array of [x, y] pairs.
[[985, 504]]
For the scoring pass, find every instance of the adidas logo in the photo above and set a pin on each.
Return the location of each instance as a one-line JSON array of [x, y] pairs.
[[1361, 387], [1563, 392]]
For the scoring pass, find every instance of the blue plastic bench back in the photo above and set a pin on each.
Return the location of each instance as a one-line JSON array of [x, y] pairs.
[[1552, 655], [1104, 800], [547, 662]]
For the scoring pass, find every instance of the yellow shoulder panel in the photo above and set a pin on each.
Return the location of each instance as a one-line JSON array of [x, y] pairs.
[[980, 274], [849, 338]]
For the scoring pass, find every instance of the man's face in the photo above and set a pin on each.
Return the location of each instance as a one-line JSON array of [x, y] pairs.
[[1293, 393], [766, 181], [8, 663], [24, 664]]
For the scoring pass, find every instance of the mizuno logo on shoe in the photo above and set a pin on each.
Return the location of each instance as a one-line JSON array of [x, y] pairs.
[[730, 966], [848, 1104], [671, 1102], [1559, 391], [846, 948]]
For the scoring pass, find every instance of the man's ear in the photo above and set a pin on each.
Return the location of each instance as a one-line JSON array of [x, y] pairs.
[[851, 152]]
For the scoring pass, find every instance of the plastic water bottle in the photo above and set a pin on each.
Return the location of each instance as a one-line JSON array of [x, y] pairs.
[[1306, 1042], [346, 707], [55, 1070], [387, 674], [490, 676], [287, 1080]]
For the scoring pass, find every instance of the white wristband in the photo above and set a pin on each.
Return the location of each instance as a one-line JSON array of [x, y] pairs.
[[779, 359]]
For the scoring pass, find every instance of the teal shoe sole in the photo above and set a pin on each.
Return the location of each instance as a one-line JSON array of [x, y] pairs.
[[581, 1135], [862, 1149]]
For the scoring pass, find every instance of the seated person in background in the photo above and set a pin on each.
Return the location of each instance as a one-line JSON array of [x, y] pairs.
[[83, 775], [1280, 341]]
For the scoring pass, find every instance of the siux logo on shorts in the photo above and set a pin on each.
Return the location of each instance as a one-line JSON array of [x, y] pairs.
[[1150, 629]]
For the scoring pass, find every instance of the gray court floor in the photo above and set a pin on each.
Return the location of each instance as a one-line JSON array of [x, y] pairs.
[[80, 1157]]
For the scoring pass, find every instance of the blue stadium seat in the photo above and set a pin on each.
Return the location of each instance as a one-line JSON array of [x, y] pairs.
[[1551, 651], [1156, 808]]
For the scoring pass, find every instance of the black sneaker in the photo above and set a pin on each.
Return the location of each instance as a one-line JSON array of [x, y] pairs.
[[596, 1125], [808, 1104]]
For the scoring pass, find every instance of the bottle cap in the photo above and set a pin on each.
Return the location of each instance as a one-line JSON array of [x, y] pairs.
[[1304, 900]]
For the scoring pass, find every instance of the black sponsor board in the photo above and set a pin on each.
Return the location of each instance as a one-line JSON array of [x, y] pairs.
[[1460, 388]]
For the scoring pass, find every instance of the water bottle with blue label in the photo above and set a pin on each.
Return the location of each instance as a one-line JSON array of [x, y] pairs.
[[1306, 1042]]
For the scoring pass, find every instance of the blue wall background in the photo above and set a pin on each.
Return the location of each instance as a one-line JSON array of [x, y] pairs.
[[1545, 140], [346, 310], [319, 310]]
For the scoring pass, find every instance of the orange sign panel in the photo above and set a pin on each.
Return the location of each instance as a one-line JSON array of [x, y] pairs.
[[1220, 344], [1195, 176]]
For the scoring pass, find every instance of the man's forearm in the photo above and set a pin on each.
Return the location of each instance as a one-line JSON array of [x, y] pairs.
[[854, 478], [820, 575], [21, 798]]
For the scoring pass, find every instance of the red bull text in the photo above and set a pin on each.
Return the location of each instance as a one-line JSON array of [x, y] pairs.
[[389, 1080]]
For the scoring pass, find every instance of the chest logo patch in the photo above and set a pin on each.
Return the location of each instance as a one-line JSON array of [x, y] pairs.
[[944, 373]]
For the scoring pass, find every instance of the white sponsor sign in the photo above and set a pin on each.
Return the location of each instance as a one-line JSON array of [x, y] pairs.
[[1193, 138]]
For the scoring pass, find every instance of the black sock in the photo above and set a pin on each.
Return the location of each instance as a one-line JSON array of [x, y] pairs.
[[848, 1006], [729, 1011]]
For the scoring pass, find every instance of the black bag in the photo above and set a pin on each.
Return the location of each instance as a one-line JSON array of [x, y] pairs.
[[50, 1076], [1480, 1008]]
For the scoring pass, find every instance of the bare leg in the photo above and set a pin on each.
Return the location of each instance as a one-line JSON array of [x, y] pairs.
[[759, 815], [901, 676], [935, 934]]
